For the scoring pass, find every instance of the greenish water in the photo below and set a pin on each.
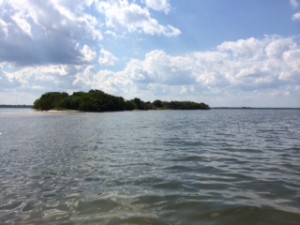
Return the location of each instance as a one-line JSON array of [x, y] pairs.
[[150, 167]]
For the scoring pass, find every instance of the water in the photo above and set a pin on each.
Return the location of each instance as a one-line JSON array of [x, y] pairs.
[[153, 167]]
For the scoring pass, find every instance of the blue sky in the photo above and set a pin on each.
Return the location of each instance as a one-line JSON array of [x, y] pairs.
[[221, 52]]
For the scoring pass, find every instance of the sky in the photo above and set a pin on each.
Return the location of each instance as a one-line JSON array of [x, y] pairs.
[[221, 52]]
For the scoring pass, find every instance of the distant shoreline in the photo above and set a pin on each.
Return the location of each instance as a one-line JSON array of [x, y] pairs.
[[16, 106], [249, 108], [238, 108]]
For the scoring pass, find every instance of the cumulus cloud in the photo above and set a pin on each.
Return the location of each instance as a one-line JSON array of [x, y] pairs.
[[88, 54], [131, 17], [70, 32], [244, 66], [243, 70], [158, 5], [36, 33], [108, 81], [27, 77], [107, 58]]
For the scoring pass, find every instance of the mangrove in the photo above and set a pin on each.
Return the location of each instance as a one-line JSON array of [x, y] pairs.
[[99, 101]]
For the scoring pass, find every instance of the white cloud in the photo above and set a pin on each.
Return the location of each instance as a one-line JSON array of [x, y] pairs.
[[3, 28], [38, 72], [246, 67], [158, 67], [22, 23], [159, 5], [133, 18], [49, 32], [296, 16], [107, 58], [294, 3], [62, 10], [88, 54], [105, 80], [268, 65], [35, 78]]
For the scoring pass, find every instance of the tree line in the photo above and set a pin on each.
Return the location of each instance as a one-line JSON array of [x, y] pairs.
[[99, 101]]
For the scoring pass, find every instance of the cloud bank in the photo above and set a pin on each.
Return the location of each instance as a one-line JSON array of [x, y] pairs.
[[246, 66]]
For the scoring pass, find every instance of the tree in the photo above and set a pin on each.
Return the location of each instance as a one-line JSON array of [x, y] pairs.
[[139, 103], [158, 104], [51, 100], [99, 101]]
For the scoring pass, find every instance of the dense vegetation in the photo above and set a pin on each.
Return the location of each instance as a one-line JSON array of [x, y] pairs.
[[98, 101]]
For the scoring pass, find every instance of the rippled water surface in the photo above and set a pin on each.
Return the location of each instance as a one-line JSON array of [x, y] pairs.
[[150, 167]]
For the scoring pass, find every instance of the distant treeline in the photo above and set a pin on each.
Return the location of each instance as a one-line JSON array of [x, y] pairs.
[[98, 101], [15, 106]]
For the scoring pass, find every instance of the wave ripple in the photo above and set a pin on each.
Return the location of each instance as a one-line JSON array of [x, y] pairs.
[[156, 167]]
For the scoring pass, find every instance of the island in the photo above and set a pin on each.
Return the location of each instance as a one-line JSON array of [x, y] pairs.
[[99, 101]]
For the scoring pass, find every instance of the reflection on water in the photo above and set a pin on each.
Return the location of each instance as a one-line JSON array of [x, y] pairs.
[[153, 167]]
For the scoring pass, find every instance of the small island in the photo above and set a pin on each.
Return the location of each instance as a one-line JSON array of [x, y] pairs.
[[99, 101]]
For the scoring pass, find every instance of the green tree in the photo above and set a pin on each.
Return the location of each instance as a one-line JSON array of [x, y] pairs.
[[139, 103], [51, 100], [99, 101], [158, 104]]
